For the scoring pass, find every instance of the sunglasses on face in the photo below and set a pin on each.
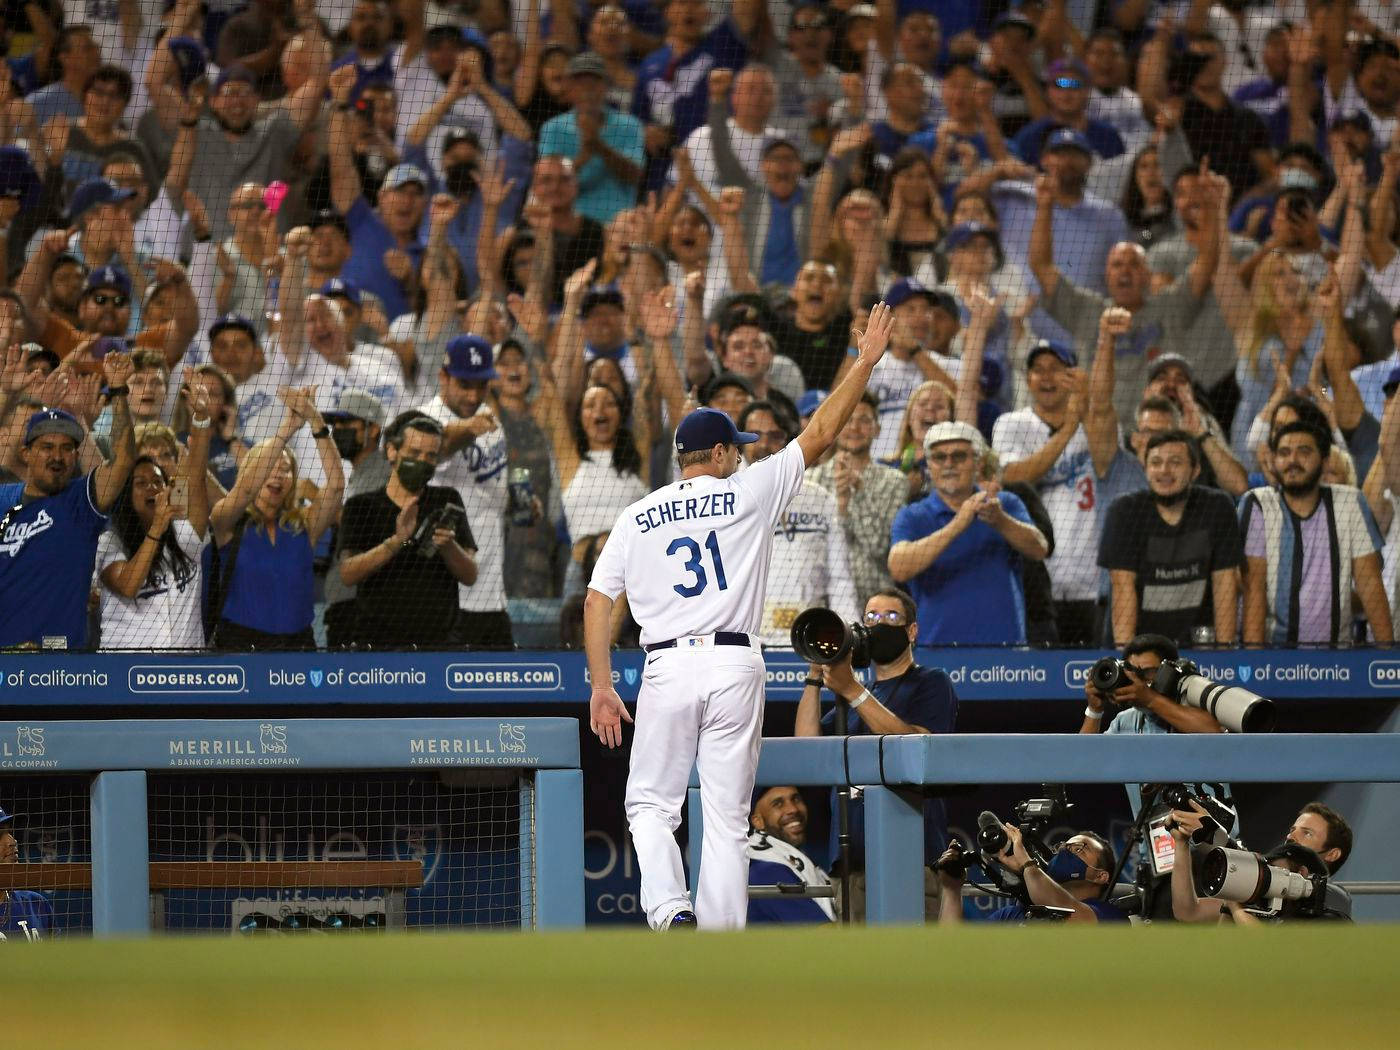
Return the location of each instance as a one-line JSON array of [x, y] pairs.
[[114, 299], [957, 459]]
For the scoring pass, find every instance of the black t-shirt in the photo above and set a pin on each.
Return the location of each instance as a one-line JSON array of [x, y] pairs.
[[412, 600], [571, 251], [1229, 137], [818, 354], [1173, 562]]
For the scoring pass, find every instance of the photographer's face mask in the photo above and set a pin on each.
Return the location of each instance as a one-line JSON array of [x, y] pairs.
[[414, 474], [887, 642], [1066, 866]]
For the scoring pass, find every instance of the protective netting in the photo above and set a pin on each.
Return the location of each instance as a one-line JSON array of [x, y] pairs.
[[273, 853], [552, 229]]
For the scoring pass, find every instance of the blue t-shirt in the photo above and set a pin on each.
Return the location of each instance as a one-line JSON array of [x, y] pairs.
[[970, 595], [1017, 912], [46, 559], [1103, 139], [674, 90], [780, 260], [272, 589], [369, 240], [921, 696], [28, 917], [601, 194]]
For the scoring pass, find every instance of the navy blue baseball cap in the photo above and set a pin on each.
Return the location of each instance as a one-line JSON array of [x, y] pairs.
[[17, 175], [1392, 382], [966, 231], [707, 427], [237, 321], [190, 59], [1048, 346], [108, 277], [1067, 138], [469, 358], [53, 421], [905, 289], [94, 192], [340, 288]]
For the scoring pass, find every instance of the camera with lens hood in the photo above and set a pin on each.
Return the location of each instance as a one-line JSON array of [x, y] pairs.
[[1271, 891], [819, 636], [1233, 706]]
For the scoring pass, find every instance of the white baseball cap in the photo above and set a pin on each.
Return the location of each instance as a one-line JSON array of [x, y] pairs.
[[951, 431]]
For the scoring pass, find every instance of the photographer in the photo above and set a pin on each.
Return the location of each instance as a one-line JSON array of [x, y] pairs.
[[404, 556], [903, 700], [1139, 709], [1318, 828], [1074, 880]]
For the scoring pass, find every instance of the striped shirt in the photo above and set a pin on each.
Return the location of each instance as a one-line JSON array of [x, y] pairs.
[[1309, 561]]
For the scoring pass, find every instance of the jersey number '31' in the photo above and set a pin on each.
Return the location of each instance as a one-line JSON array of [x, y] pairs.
[[695, 567]]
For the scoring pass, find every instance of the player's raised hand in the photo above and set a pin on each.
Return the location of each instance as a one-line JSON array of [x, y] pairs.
[[872, 342], [606, 715]]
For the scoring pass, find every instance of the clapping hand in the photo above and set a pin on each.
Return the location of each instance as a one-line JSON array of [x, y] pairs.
[[407, 521], [117, 368], [16, 376], [659, 314]]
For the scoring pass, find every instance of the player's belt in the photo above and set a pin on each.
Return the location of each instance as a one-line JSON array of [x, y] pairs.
[[721, 638]]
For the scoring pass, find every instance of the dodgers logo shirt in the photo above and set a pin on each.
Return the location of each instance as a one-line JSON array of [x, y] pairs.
[[46, 557]]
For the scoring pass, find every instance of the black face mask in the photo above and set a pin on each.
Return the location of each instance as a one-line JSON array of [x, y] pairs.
[[460, 178], [414, 474], [347, 442], [887, 642]]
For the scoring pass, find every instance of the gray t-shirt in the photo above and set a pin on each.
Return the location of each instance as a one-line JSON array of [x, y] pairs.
[[221, 164], [1174, 256], [1164, 325], [804, 102]]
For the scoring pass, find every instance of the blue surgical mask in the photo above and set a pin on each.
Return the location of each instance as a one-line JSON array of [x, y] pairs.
[[1296, 179], [1066, 867]]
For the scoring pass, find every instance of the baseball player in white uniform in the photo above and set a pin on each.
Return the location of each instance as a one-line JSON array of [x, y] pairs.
[[693, 559]]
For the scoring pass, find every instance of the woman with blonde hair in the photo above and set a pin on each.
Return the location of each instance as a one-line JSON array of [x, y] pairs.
[[262, 585], [931, 402], [1278, 333]]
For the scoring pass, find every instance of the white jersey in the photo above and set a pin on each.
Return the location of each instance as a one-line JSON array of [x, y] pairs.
[[693, 556], [165, 614], [1070, 492], [810, 565], [892, 382], [478, 472]]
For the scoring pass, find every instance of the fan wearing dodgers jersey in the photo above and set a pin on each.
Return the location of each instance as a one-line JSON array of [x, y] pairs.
[[693, 559], [24, 914], [810, 564], [474, 463]]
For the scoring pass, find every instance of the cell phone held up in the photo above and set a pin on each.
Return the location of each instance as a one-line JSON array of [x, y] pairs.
[[449, 516], [180, 496]]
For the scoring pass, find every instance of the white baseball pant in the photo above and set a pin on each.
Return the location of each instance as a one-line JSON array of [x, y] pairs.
[[703, 707]]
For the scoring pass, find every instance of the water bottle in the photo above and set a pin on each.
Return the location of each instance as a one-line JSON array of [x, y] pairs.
[[522, 497]]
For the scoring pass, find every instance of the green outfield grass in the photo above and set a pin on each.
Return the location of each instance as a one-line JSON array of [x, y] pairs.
[[1333, 986]]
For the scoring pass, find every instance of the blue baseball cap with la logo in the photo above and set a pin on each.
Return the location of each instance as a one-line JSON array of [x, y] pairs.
[[469, 358], [707, 427]]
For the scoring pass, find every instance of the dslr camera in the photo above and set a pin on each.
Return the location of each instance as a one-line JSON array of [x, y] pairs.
[[819, 636], [1035, 817], [1233, 706], [1271, 891]]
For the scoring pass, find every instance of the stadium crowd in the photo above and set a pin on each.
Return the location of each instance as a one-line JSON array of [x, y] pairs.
[[352, 323]]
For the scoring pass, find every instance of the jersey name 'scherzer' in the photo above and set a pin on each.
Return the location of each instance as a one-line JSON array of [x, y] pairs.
[[693, 556], [705, 505]]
